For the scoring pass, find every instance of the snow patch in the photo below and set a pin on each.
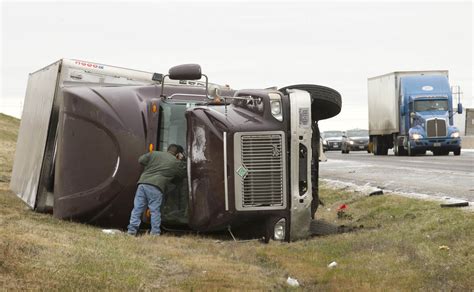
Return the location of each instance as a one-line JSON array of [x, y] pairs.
[[367, 189]]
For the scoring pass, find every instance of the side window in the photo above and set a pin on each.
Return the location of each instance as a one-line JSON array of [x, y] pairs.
[[172, 127]]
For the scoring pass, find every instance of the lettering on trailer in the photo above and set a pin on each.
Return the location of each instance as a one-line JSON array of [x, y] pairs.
[[89, 65]]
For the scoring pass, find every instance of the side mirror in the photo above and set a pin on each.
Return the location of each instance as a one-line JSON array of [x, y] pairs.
[[459, 108], [185, 72]]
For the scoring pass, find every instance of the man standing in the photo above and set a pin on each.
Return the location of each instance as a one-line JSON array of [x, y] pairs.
[[160, 169]]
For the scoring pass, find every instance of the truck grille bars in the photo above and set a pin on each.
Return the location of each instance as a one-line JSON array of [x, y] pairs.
[[436, 128], [260, 170]]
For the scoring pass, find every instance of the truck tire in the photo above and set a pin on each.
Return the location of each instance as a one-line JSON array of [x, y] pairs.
[[400, 151], [410, 151], [325, 102], [457, 152], [375, 146]]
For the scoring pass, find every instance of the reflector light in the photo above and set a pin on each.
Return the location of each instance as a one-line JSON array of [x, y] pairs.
[[153, 108], [151, 147]]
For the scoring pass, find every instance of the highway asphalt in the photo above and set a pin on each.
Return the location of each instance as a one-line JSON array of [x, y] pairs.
[[437, 176]]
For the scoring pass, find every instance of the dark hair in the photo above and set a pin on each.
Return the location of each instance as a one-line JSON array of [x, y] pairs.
[[175, 149]]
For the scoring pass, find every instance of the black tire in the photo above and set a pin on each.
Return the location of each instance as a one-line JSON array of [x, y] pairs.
[[325, 102], [402, 151], [375, 146], [410, 152], [457, 152]]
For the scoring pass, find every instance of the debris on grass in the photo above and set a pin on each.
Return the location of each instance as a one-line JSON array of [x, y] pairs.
[[341, 212], [111, 231], [332, 265], [292, 282], [455, 204], [376, 193]]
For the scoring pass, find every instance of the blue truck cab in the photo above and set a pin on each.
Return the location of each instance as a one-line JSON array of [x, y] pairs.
[[426, 121]]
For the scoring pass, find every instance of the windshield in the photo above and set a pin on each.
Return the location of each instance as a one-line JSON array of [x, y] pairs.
[[332, 134], [357, 133], [431, 105]]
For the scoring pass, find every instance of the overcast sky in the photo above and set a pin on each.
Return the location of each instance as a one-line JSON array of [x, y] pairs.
[[244, 44]]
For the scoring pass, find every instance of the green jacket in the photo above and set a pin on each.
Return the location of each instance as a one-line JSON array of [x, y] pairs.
[[160, 169]]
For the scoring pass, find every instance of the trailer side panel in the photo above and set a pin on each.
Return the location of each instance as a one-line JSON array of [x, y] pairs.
[[383, 105]]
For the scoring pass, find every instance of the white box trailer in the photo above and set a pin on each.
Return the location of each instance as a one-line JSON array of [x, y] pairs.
[[384, 100], [35, 148]]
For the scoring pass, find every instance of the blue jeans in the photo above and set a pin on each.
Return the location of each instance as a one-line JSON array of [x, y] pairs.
[[151, 196]]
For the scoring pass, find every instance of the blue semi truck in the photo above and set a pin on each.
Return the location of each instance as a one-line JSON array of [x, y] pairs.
[[412, 112]]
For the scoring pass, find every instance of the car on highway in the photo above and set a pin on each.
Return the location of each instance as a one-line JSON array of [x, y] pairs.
[[332, 140], [355, 140]]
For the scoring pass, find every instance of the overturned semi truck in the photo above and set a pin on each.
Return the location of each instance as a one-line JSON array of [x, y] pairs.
[[252, 155]]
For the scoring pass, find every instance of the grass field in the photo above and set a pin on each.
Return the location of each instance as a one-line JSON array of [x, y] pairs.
[[397, 249]]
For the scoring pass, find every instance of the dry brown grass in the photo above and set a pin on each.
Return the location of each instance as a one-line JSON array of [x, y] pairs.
[[398, 249]]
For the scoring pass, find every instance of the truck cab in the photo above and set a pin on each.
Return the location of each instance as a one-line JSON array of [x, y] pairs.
[[252, 155], [427, 115]]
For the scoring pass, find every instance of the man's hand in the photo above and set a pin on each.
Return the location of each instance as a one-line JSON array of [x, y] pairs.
[[180, 156]]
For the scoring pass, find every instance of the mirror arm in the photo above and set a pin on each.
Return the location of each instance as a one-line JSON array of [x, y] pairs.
[[207, 83], [163, 85]]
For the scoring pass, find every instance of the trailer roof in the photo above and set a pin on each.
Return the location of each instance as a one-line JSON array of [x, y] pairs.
[[410, 72]]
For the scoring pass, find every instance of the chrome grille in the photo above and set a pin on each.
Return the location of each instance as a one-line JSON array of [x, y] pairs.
[[436, 128], [260, 170]]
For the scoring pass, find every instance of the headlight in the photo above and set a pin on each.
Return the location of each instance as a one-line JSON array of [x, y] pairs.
[[279, 229], [275, 106], [455, 135], [325, 142], [416, 136], [351, 142]]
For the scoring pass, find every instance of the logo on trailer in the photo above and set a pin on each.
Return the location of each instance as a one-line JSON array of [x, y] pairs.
[[89, 65], [427, 88]]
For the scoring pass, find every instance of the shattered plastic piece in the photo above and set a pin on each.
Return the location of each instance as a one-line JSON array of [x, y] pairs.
[[342, 207], [292, 282], [332, 265], [444, 247], [111, 231], [376, 193]]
